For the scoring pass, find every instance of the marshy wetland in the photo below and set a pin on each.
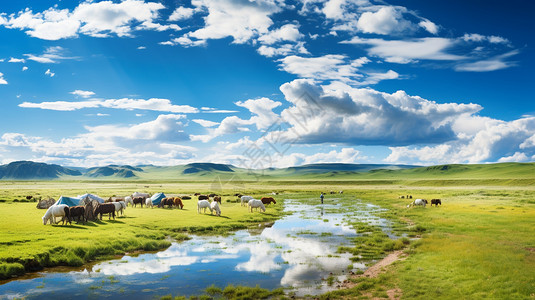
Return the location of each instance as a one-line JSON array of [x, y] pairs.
[[479, 243]]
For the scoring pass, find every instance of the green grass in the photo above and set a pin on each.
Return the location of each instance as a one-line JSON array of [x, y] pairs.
[[28, 245]]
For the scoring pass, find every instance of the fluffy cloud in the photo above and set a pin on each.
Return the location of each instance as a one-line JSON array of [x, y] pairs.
[[154, 104], [288, 32], [386, 20], [182, 13], [83, 94], [97, 19], [51, 55], [366, 117], [282, 50], [50, 73], [153, 142], [262, 109], [493, 140], [405, 51], [2, 80], [333, 67], [241, 20]]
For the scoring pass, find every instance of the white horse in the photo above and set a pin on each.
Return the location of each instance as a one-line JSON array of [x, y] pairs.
[[54, 211], [419, 202], [245, 199], [128, 200], [254, 203], [215, 206], [148, 202], [203, 204], [119, 207]]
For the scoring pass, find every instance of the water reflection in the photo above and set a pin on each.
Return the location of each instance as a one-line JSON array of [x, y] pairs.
[[298, 252]]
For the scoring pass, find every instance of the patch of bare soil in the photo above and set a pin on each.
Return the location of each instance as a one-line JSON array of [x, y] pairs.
[[377, 269]]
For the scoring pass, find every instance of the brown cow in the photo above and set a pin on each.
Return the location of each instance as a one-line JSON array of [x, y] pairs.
[[105, 208], [138, 200], [178, 202], [217, 199], [77, 211], [268, 200], [204, 197]]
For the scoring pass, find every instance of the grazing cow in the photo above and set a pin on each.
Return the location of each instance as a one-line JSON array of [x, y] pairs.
[[245, 200], [215, 206], [29, 197], [105, 208], [217, 199], [436, 202], [119, 206], [254, 203], [148, 202], [204, 197], [178, 202], [419, 202], [268, 200], [77, 211], [54, 211], [138, 200], [203, 204]]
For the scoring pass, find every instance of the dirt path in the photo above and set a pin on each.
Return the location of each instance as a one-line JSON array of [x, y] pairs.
[[377, 269]]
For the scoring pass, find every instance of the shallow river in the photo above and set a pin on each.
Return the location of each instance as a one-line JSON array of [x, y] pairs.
[[297, 252]]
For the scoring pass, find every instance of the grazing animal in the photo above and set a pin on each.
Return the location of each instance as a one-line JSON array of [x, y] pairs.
[[331, 192], [217, 199], [341, 192], [54, 211], [212, 195], [245, 200], [128, 200], [419, 202], [215, 206], [119, 207], [268, 200], [164, 202], [138, 194], [77, 211], [196, 194], [116, 199], [148, 202], [254, 203], [138, 200], [29, 197], [105, 208], [238, 195], [178, 202], [203, 204], [401, 197], [204, 197], [186, 197], [436, 202]]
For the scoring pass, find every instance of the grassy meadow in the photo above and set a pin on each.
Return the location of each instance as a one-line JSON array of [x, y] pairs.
[[479, 244]]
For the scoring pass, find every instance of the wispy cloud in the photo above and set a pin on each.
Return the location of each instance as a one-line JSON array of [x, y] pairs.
[[83, 94]]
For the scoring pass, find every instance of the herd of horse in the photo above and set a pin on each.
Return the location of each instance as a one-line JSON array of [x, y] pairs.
[[116, 205]]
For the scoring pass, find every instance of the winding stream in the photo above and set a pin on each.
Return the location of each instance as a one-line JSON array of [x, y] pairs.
[[297, 252]]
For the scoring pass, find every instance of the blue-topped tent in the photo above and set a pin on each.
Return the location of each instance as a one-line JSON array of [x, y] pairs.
[[92, 197], [157, 198], [70, 201]]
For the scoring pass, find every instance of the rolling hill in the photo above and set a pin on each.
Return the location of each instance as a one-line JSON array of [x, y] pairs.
[[34, 170]]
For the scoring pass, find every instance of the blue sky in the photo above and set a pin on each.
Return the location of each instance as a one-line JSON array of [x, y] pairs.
[[268, 83]]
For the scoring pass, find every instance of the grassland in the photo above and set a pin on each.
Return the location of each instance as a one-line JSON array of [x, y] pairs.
[[479, 244]]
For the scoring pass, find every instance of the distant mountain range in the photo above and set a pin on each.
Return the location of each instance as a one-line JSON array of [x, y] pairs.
[[26, 170]]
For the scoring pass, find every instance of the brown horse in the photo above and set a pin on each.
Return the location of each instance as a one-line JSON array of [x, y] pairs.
[[268, 200], [204, 197], [105, 208], [77, 211], [178, 202], [167, 201], [217, 199], [138, 200]]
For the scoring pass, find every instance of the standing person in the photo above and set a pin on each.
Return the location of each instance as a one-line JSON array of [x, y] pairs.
[[321, 197]]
